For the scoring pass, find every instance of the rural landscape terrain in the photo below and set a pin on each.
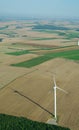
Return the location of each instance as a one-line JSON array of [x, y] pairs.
[[31, 53]]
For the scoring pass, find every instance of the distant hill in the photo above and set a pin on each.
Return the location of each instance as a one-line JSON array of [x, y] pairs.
[[8, 122]]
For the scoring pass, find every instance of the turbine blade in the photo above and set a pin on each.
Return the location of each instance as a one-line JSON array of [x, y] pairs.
[[62, 90], [54, 81]]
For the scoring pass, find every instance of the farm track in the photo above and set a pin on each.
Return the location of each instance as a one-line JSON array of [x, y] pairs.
[[17, 78]]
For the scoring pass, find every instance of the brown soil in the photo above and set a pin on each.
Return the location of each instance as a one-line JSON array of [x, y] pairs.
[[32, 94], [29, 92]]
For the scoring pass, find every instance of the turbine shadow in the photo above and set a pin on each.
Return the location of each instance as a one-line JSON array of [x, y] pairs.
[[33, 102]]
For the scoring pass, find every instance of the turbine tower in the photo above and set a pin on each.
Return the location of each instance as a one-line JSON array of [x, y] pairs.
[[55, 104]]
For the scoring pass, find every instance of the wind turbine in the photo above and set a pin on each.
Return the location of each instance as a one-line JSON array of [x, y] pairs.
[[55, 104], [78, 42]]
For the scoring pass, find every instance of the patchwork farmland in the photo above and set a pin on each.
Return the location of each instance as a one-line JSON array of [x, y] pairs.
[[30, 53]]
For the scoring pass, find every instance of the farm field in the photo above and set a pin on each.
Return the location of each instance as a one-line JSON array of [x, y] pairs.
[[30, 54], [71, 54]]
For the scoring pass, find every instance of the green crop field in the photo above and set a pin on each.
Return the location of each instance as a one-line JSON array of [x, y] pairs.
[[66, 32], [8, 122], [3, 28], [49, 27], [9, 33], [1, 39], [71, 54]]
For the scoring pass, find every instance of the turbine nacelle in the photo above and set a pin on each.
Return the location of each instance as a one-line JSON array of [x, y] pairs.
[[55, 86]]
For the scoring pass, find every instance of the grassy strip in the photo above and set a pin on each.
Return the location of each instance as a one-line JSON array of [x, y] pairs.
[[8, 122], [44, 38], [50, 31], [72, 54], [17, 53]]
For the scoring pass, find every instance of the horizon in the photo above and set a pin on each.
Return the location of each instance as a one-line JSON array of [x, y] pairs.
[[35, 8]]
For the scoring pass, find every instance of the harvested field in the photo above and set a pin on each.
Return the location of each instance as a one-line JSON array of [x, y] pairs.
[[9, 59], [8, 74], [28, 92], [37, 88], [23, 32]]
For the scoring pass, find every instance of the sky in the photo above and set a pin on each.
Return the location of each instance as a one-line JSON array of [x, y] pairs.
[[44, 8]]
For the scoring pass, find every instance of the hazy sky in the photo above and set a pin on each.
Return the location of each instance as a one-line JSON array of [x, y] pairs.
[[60, 8]]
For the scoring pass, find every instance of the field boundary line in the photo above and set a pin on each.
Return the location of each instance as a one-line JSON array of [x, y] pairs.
[[17, 78]]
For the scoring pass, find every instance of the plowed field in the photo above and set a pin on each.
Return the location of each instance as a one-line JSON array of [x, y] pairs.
[[31, 95]]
